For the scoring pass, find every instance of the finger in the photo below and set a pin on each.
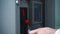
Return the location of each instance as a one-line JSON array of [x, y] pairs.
[[34, 31]]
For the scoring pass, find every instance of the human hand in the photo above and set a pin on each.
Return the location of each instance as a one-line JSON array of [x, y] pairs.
[[45, 30]]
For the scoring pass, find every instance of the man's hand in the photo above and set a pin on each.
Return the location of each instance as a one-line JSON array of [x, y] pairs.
[[45, 30]]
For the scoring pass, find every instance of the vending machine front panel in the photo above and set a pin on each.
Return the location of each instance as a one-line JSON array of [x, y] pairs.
[[23, 21]]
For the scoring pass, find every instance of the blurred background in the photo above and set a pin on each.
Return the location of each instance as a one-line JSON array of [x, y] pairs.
[[41, 13]]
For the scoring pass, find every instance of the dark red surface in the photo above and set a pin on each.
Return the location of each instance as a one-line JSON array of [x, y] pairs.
[[23, 12], [27, 21]]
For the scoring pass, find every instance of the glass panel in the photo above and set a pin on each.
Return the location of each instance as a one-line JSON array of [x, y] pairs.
[[37, 12]]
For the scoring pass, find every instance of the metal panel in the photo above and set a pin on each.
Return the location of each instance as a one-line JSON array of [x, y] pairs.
[[50, 13], [8, 17]]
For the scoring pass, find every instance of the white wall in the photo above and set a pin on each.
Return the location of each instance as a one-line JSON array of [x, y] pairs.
[[8, 17]]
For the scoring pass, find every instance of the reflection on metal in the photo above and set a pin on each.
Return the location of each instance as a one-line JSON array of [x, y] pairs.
[[17, 2]]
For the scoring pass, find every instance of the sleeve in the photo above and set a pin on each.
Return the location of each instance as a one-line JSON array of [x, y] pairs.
[[58, 31]]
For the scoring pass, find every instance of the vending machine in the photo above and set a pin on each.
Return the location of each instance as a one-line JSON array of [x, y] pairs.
[[24, 21], [32, 15]]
